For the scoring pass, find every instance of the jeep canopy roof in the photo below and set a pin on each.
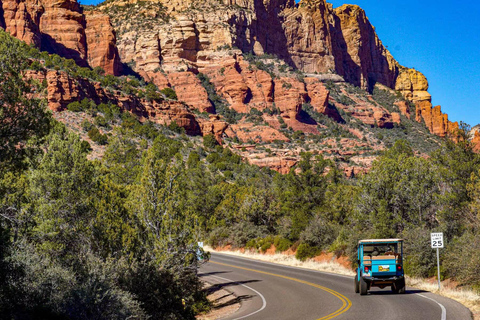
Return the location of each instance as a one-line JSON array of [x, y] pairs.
[[379, 241]]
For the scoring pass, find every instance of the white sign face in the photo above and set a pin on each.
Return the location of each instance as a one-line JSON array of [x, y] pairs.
[[437, 240]]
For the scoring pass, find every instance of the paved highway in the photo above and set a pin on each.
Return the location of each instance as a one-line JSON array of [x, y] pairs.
[[271, 291]]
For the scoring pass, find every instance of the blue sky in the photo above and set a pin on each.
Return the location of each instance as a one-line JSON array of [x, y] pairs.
[[437, 37]]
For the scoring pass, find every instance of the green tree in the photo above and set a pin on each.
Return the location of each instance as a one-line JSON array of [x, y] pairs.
[[61, 187], [21, 116]]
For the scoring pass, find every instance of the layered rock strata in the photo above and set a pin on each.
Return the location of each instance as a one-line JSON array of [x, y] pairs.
[[62, 90], [61, 27]]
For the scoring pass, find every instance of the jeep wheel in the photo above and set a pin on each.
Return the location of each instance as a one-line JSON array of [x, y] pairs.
[[394, 289], [357, 285], [363, 287], [401, 286]]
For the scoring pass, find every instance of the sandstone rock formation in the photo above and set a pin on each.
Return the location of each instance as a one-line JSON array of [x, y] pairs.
[[190, 90], [62, 90], [360, 56], [310, 36], [436, 121], [280, 164], [475, 138], [247, 132], [101, 43], [290, 94], [413, 84], [61, 27], [404, 108]]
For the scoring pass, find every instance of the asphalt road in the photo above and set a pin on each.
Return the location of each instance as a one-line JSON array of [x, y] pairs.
[[271, 291]]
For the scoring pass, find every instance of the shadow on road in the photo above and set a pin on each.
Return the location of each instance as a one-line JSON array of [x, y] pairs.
[[218, 286], [389, 292], [238, 299], [206, 274]]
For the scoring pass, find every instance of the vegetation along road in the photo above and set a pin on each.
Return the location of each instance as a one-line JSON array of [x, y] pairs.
[[270, 291]]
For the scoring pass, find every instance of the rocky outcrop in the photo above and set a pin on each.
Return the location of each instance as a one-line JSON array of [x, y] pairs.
[[319, 96], [62, 90], [241, 85], [310, 36], [404, 108], [248, 132], [190, 90], [214, 125], [101, 43], [359, 54], [290, 94], [413, 84], [436, 121], [18, 19], [475, 138], [62, 30], [279, 164], [61, 27]]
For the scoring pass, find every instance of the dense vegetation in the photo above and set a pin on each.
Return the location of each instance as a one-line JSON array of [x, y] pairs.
[[116, 238], [89, 240]]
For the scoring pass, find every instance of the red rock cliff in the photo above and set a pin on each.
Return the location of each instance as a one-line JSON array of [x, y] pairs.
[[61, 27]]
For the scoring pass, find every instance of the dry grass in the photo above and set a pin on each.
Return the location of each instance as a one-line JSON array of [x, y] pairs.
[[468, 298]]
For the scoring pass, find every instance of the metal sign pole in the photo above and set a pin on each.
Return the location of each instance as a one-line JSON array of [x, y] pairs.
[[438, 268], [436, 239]]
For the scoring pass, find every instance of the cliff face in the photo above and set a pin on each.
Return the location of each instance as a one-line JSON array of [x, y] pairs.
[[61, 27], [276, 63], [310, 36]]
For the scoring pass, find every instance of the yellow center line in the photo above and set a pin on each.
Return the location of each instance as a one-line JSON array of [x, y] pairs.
[[346, 303]]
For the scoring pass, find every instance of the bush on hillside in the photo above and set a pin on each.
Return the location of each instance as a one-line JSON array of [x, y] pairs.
[[305, 251]]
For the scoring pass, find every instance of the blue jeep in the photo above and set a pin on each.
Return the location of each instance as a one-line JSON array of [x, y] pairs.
[[380, 264]]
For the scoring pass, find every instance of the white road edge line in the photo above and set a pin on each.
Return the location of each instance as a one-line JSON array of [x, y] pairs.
[[284, 265], [444, 311], [264, 302]]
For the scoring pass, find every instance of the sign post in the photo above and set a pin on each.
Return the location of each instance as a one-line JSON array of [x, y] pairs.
[[436, 239]]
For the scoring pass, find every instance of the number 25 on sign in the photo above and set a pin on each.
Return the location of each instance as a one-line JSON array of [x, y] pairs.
[[437, 240]]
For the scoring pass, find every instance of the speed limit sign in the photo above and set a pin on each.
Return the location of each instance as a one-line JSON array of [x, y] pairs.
[[436, 240]]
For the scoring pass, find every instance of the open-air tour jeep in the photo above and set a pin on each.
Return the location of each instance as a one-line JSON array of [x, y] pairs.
[[380, 264]]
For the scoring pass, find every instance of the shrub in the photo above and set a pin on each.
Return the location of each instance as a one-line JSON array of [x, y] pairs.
[[265, 243], [74, 107], [209, 141], [219, 237], [100, 121], [420, 259], [251, 244], [462, 260], [86, 125], [282, 244], [176, 128], [97, 137], [305, 251], [319, 233], [169, 93]]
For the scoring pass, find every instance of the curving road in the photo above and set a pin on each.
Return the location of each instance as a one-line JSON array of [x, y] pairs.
[[271, 291]]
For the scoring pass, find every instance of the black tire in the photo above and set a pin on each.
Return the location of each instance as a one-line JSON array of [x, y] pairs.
[[357, 285], [401, 288], [363, 287], [394, 289]]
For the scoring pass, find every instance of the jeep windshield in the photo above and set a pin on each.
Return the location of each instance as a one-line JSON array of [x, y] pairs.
[[381, 249]]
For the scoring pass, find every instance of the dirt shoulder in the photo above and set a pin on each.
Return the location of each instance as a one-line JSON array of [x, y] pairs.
[[224, 302]]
